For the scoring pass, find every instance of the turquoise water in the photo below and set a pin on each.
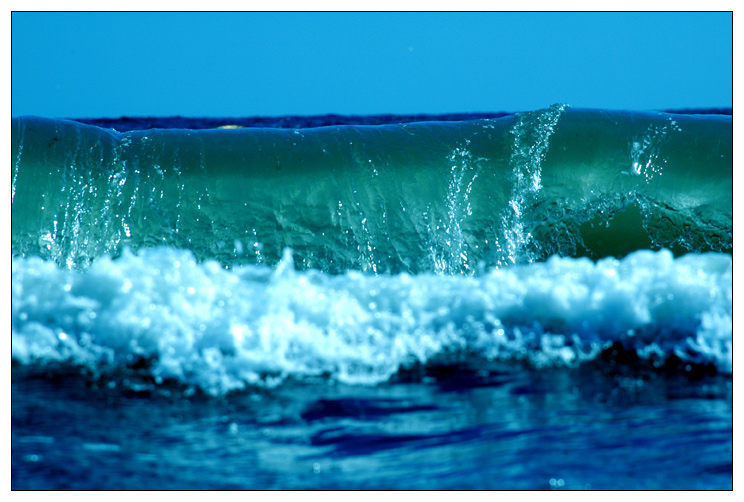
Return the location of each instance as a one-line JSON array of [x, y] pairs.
[[534, 301], [427, 196]]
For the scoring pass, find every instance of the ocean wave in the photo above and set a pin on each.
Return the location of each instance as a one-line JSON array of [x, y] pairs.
[[228, 258], [418, 197]]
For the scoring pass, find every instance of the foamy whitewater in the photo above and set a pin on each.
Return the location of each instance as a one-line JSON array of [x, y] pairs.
[[220, 330], [351, 306]]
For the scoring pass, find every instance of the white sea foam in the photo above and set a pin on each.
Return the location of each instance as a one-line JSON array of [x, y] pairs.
[[220, 330]]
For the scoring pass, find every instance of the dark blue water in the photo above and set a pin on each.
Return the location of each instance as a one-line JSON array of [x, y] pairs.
[[501, 427], [304, 121]]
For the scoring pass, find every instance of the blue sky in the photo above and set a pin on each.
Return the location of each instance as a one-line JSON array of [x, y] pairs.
[[79, 65]]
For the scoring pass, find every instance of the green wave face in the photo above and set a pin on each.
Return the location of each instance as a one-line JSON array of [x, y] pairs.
[[431, 196]]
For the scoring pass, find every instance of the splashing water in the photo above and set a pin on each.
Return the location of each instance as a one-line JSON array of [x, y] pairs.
[[449, 251], [530, 145]]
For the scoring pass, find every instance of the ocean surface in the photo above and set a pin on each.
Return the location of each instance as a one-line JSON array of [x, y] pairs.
[[531, 301]]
